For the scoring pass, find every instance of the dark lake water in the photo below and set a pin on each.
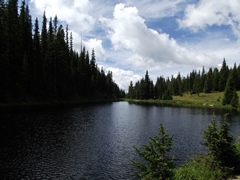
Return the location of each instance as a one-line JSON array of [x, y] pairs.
[[95, 141]]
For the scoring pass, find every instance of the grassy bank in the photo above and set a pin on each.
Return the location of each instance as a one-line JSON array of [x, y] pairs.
[[210, 100]]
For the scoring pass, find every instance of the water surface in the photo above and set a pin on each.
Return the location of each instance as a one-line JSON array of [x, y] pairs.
[[95, 141]]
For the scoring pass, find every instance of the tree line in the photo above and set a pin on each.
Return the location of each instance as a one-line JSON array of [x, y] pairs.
[[225, 80], [41, 64]]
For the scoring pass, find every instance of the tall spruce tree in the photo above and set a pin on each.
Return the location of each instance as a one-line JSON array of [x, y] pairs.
[[223, 76], [13, 52], [235, 99], [208, 85], [215, 79], [197, 84], [146, 86], [230, 89], [37, 86], [160, 87], [203, 78], [44, 37], [130, 91]]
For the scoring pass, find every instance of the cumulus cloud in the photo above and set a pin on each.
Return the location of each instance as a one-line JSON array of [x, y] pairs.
[[74, 12], [89, 44], [123, 77], [127, 30], [214, 12], [95, 44]]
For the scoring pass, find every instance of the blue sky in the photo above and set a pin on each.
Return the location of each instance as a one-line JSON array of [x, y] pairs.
[[164, 37]]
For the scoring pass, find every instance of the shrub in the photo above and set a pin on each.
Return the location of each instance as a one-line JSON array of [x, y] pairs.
[[198, 169]]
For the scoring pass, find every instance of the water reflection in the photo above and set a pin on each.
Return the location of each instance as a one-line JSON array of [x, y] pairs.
[[94, 141]]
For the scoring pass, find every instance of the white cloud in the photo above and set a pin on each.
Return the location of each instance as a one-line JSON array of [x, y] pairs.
[[220, 48], [156, 9], [75, 13], [89, 44], [123, 77], [125, 44], [214, 12], [127, 30], [97, 46]]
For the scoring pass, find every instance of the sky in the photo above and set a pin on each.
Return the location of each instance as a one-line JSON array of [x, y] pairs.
[[163, 37]]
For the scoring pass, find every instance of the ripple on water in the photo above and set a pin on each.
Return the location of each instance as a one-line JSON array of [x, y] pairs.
[[93, 142]]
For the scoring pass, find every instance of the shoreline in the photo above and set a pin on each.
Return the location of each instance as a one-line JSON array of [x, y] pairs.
[[176, 102], [53, 103], [184, 104]]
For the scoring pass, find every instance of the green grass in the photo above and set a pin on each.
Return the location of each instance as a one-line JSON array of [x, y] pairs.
[[210, 100], [198, 169]]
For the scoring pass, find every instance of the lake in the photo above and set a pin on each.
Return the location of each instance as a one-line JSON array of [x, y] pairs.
[[95, 141]]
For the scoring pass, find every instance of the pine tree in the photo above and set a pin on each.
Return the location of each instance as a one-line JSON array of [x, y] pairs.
[[179, 85], [235, 99], [208, 86], [130, 91], [37, 70], [215, 79], [230, 87], [228, 94], [13, 53], [203, 79], [223, 76], [160, 87], [44, 37], [159, 165], [227, 147], [93, 69], [146, 86], [197, 84], [167, 95], [191, 81], [220, 144]]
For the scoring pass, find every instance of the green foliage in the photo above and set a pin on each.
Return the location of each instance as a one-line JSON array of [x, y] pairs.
[[235, 99], [221, 161], [198, 169], [208, 86], [158, 164], [167, 95], [213, 81], [224, 72], [220, 145], [230, 95], [197, 84]]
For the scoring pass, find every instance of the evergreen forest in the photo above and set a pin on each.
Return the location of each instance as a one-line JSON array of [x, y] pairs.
[[226, 80], [40, 64]]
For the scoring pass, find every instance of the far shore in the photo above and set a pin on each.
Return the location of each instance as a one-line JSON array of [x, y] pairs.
[[209, 100]]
